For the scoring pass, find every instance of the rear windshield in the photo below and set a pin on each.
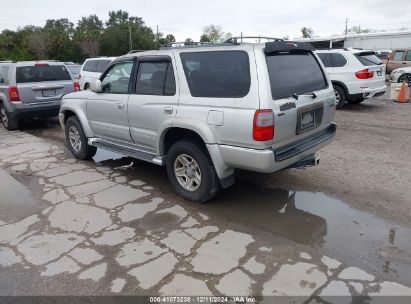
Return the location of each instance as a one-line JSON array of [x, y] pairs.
[[101, 65], [41, 73], [224, 74], [294, 73], [368, 58]]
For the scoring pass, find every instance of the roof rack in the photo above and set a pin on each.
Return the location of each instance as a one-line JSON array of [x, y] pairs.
[[235, 40]]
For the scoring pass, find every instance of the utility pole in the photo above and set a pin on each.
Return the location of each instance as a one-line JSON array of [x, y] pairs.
[[157, 33], [130, 41], [346, 26]]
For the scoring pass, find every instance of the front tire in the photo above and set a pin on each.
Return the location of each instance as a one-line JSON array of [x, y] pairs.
[[405, 77], [77, 140], [8, 122], [340, 97], [191, 171]]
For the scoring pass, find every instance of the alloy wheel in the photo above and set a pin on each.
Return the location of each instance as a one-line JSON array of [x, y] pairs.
[[75, 139], [187, 172]]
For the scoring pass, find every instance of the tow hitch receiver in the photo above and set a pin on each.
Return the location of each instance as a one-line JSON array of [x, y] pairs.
[[309, 161]]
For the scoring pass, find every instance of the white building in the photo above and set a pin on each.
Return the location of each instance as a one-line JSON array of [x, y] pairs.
[[370, 41]]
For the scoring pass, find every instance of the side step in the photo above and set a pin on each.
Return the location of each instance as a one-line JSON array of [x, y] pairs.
[[127, 151]]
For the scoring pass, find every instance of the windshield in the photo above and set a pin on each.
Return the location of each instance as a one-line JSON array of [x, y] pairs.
[[294, 73], [41, 73]]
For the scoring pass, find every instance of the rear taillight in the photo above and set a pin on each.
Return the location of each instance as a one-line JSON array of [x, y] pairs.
[[263, 127], [76, 86], [364, 74], [13, 94]]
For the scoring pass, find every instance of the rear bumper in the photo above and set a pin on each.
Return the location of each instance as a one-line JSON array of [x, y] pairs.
[[368, 93], [268, 160], [35, 111]]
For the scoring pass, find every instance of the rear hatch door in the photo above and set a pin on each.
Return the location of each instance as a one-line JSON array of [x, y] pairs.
[[375, 66], [43, 83], [302, 99]]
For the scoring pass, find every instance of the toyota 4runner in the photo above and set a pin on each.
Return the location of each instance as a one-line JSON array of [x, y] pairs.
[[205, 110]]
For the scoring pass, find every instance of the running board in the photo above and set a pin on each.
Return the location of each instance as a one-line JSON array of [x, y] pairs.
[[127, 151]]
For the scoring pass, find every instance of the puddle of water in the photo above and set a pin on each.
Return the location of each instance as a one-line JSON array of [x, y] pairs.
[[318, 220], [16, 200]]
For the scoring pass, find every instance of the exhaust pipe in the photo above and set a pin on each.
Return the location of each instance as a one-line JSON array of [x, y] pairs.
[[309, 161]]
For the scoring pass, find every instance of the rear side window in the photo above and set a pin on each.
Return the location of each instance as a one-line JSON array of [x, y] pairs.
[[368, 58], [155, 78], [101, 65], [90, 66], [294, 73], [398, 55], [4, 75], [338, 60], [408, 56], [41, 73], [224, 74], [326, 59]]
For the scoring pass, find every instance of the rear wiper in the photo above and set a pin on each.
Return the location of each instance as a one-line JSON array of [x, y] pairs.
[[312, 94], [295, 96]]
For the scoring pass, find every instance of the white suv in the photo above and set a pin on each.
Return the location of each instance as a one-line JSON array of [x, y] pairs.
[[355, 74], [92, 69]]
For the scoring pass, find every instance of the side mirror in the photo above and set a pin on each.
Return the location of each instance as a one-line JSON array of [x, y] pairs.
[[96, 86]]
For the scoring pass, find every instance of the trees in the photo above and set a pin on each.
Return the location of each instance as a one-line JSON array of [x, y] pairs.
[[88, 35], [307, 32], [214, 33], [38, 43], [358, 30]]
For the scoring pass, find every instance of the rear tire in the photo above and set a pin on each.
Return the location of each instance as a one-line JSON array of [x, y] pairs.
[[8, 122], [340, 96], [77, 140], [191, 171], [86, 87]]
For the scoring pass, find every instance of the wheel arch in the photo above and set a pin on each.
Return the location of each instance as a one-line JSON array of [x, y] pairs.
[[75, 110]]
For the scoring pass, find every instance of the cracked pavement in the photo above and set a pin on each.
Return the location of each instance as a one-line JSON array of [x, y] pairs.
[[94, 228]]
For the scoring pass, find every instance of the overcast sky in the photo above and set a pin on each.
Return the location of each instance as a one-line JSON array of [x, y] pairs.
[[187, 18]]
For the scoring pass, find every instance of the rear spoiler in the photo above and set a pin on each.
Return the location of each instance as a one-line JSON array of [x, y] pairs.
[[287, 46]]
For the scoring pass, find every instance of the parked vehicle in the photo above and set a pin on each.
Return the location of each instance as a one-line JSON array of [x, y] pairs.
[[74, 70], [31, 89], [203, 111], [399, 58], [401, 74], [92, 69], [355, 74], [383, 54]]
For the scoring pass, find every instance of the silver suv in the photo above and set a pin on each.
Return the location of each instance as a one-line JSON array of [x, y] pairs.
[[32, 89], [203, 111]]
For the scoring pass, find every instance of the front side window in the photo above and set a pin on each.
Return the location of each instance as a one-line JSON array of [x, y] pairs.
[[294, 73], [4, 75], [224, 74], [155, 78], [398, 55], [408, 57], [116, 80]]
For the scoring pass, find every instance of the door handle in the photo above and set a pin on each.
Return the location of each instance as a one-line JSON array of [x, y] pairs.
[[168, 110], [119, 106]]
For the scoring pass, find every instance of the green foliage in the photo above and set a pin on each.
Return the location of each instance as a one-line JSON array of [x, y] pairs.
[[307, 32], [214, 33], [91, 37]]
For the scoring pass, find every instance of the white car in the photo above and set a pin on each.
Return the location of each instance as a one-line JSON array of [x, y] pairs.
[[401, 74], [355, 74], [92, 69]]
